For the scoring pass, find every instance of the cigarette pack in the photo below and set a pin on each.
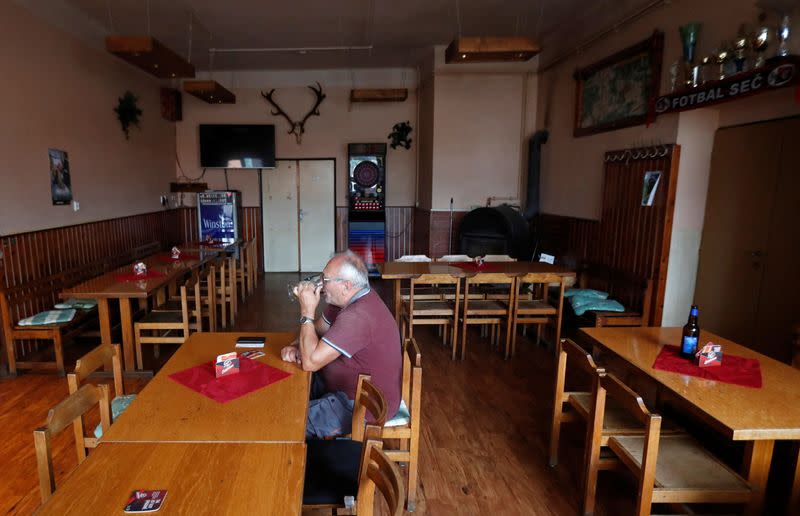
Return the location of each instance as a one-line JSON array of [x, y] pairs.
[[710, 355], [227, 364]]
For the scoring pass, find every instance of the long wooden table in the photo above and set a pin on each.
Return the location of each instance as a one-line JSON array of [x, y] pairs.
[[107, 287], [399, 271], [757, 416], [200, 478], [166, 411]]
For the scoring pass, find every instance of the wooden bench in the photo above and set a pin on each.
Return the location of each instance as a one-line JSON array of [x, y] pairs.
[[29, 298], [635, 294]]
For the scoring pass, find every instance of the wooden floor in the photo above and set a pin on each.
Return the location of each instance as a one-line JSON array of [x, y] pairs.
[[484, 433]]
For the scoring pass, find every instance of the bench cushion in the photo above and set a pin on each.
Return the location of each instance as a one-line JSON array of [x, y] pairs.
[[402, 418], [118, 406], [49, 317], [585, 292], [78, 304], [582, 305]]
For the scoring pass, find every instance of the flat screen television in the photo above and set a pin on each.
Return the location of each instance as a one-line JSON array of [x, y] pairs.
[[237, 146]]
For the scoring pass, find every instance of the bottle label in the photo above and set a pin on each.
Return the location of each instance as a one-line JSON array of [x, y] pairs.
[[689, 345]]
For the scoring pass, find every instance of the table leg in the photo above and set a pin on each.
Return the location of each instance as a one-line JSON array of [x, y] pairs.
[[794, 501], [397, 301], [757, 460], [127, 333]]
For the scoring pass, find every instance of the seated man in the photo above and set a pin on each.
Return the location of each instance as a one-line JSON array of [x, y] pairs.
[[355, 335]]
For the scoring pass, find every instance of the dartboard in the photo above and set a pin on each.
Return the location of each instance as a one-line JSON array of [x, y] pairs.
[[366, 174]]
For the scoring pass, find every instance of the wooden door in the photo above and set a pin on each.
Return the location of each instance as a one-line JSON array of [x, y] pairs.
[[299, 222], [317, 213], [736, 240], [779, 298], [280, 201]]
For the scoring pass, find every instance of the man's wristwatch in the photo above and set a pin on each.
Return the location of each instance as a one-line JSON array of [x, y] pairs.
[[306, 320]]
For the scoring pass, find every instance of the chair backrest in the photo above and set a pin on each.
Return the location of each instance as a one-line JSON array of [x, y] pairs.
[[103, 355], [454, 258], [498, 258], [70, 410], [578, 358], [191, 285], [368, 398], [628, 400], [414, 258], [206, 277], [412, 379], [377, 469]]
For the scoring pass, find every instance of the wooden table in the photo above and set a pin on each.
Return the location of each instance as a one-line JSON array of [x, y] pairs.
[[757, 416], [200, 478], [106, 287], [399, 271], [166, 411]]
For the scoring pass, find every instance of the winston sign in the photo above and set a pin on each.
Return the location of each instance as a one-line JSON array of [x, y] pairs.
[[777, 73], [218, 213]]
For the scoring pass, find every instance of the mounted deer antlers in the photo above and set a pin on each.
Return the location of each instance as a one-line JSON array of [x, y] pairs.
[[297, 128]]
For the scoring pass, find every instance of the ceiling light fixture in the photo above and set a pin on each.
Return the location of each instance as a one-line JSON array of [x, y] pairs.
[[488, 49]]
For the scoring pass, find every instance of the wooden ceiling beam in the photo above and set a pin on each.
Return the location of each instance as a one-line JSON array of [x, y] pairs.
[[379, 95], [490, 49], [209, 91], [150, 55]]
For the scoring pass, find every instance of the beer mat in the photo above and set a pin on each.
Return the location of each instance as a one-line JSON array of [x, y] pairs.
[[735, 370], [130, 276], [166, 258], [252, 376], [474, 267]]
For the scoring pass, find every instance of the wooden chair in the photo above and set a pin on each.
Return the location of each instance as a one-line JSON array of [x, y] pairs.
[[200, 299], [377, 469], [488, 311], [668, 468], [110, 357], [426, 311], [405, 425], [228, 292], [242, 272], [252, 264], [169, 327], [71, 410], [333, 466], [540, 309]]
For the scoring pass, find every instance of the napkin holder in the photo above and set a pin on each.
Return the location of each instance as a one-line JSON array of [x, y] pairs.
[[710, 355], [227, 364]]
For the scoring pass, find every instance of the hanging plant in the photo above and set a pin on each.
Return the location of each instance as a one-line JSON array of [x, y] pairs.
[[128, 112]]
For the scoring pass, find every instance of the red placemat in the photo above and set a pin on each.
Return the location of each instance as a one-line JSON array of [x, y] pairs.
[[165, 258], [736, 370], [130, 276], [252, 375], [474, 267]]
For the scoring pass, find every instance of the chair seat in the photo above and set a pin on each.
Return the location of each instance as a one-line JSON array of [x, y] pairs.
[[616, 418], [118, 406], [535, 307], [173, 305], [682, 464], [402, 418], [331, 471], [431, 307], [487, 307], [161, 317]]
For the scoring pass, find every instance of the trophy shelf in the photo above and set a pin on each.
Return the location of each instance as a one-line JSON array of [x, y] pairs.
[[778, 72]]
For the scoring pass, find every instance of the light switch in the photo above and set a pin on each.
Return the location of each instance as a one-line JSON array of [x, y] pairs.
[[76, 206]]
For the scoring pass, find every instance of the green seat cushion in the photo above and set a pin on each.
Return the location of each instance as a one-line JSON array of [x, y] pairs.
[[585, 292], [49, 317], [80, 304], [118, 406], [402, 417], [584, 304]]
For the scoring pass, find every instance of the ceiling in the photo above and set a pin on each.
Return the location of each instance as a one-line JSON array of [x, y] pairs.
[[400, 34]]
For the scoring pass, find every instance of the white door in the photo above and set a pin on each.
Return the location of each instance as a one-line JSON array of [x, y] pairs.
[[317, 214], [299, 216], [279, 192]]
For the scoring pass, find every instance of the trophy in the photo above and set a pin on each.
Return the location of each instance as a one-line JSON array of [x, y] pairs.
[[689, 34], [740, 53], [783, 37], [760, 44], [722, 58], [706, 73]]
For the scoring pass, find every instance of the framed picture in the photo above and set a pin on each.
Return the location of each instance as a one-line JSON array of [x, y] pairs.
[[620, 90], [60, 183]]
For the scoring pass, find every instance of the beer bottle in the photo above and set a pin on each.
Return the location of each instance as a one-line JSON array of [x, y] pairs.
[[691, 334]]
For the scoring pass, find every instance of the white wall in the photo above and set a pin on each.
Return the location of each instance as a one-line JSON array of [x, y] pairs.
[[59, 93], [326, 135]]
